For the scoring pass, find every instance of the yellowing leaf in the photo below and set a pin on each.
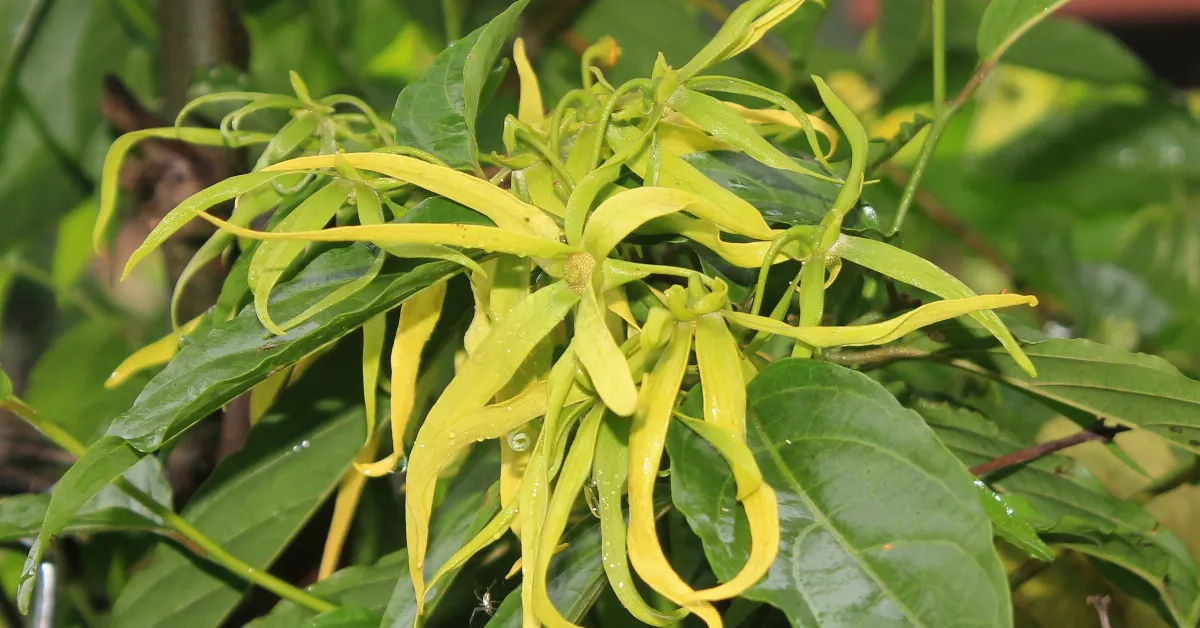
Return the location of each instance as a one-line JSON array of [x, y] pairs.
[[601, 356], [530, 109], [886, 331], [627, 210], [570, 480], [418, 317], [655, 405], [373, 332], [111, 171], [467, 236], [272, 258], [504, 209], [158, 352], [611, 471], [459, 417]]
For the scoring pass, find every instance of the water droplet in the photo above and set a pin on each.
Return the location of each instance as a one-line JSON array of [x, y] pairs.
[[518, 441], [404, 465], [620, 585], [788, 441], [305, 444], [451, 437], [295, 449]]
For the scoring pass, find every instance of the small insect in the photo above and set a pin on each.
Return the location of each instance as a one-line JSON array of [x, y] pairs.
[[487, 605], [266, 347]]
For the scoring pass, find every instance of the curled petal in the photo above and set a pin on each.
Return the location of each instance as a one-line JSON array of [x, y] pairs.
[[886, 331]]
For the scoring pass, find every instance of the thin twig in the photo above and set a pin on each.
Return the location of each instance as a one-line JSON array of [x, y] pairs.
[[1097, 431], [1183, 475], [194, 537], [1101, 604]]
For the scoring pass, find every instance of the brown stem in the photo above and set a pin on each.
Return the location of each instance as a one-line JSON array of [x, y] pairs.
[[1101, 604], [1097, 431], [1183, 475]]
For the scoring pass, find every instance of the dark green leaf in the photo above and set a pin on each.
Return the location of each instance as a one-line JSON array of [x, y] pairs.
[[232, 357], [436, 209], [362, 586], [1075, 510], [102, 463], [1101, 381], [781, 196], [880, 523], [21, 516], [256, 500], [437, 113], [345, 617], [86, 412], [574, 581]]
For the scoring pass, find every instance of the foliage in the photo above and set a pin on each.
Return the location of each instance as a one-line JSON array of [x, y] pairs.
[[563, 273]]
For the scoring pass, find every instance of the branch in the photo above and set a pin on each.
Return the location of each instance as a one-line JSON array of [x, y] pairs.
[[1097, 431], [872, 356], [1183, 475], [193, 537]]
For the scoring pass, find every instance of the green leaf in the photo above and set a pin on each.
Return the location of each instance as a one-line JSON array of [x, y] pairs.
[[1077, 50], [212, 369], [362, 586], [1005, 21], [253, 504], [437, 112], [780, 195], [86, 412], [880, 523], [345, 617], [471, 501], [21, 516], [1011, 520], [1101, 381], [102, 463], [901, 30], [73, 245], [1075, 510], [573, 581]]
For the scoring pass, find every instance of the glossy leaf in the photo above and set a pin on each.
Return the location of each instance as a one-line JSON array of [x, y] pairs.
[[1011, 519], [234, 356], [154, 354], [255, 501], [437, 112], [865, 488], [781, 196], [1074, 509], [1101, 381]]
